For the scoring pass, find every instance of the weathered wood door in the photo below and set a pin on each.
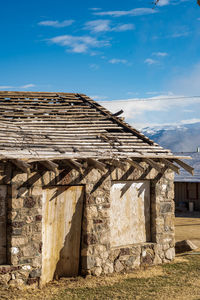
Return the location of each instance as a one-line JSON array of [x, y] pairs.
[[130, 213], [3, 193], [61, 233]]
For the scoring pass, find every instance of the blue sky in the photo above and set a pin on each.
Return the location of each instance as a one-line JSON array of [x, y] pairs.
[[109, 50]]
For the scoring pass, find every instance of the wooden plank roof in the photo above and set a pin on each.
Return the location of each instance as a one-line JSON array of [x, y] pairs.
[[38, 125]]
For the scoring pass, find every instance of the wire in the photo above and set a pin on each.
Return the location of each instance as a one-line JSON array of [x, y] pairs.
[[189, 98]]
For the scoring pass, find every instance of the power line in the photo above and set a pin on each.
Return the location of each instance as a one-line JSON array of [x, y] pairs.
[[189, 98]]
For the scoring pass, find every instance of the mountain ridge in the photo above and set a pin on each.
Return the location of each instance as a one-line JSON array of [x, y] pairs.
[[180, 138]]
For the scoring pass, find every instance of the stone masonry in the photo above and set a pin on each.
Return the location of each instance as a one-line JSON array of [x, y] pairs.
[[24, 220]]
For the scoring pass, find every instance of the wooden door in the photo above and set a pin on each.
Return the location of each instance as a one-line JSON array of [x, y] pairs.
[[3, 193], [61, 233]]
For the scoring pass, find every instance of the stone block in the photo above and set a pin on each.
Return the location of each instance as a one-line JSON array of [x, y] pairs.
[[36, 262], [89, 239], [88, 262], [108, 268], [17, 203], [91, 212], [29, 202], [35, 273], [19, 178], [97, 271], [136, 262], [29, 251], [18, 241], [170, 253], [16, 283], [166, 208], [157, 260], [98, 262], [105, 238], [118, 266], [129, 262], [4, 278]]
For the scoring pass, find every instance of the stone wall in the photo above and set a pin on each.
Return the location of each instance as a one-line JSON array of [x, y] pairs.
[[24, 222]]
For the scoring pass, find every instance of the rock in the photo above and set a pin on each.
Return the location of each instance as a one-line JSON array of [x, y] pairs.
[[35, 273], [184, 246], [108, 268], [4, 278], [16, 282], [157, 260], [97, 271], [170, 253], [118, 266]]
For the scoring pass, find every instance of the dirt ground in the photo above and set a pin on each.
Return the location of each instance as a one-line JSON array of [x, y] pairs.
[[188, 228]]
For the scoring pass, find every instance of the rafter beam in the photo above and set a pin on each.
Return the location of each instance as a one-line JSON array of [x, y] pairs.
[[135, 164], [153, 164], [97, 164], [117, 163], [170, 165], [185, 166], [22, 165], [49, 165], [73, 164]]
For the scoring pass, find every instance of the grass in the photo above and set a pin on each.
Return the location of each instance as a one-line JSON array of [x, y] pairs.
[[177, 280]]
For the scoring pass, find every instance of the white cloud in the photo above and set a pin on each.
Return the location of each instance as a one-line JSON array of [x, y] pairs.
[[163, 2], [170, 2], [124, 27], [161, 54], [133, 12], [78, 44], [27, 86], [150, 61], [98, 97], [95, 8], [4, 87], [98, 25], [152, 93], [105, 25], [136, 110], [190, 121], [56, 24], [94, 66], [24, 86], [117, 61], [179, 34]]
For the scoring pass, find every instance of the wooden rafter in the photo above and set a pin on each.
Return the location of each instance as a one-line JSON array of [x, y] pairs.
[[97, 164], [49, 165], [73, 164], [170, 165], [20, 164], [153, 164], [185, 166], [117, 163], [135, 164]]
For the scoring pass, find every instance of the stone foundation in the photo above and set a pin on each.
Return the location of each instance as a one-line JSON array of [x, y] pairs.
[[24, 220]]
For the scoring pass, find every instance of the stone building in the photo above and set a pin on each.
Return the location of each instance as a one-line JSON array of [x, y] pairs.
[[81, 191]]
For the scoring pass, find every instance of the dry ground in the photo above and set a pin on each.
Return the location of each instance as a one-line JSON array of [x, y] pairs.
[[188, 228], [177, 280]]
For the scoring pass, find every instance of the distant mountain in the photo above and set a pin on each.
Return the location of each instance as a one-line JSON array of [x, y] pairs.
[[183, 138]]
